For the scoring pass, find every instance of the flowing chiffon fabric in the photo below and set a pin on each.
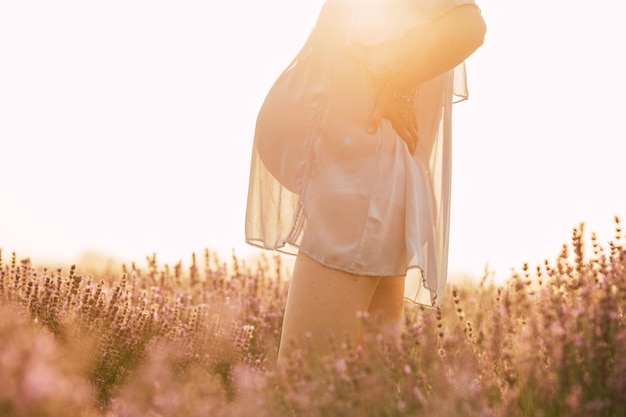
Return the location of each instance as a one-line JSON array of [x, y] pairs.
[[319, 183]]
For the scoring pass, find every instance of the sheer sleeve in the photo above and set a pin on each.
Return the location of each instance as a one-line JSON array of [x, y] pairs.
[[378, 21], [375, 33]]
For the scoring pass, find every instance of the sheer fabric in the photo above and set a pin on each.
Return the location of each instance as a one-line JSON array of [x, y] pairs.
[[321, 184]]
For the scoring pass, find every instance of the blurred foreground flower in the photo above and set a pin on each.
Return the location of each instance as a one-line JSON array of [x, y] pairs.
[[37, 377]]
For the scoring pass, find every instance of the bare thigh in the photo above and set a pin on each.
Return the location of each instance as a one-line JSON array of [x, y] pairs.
[[323, 303], [387, 305]]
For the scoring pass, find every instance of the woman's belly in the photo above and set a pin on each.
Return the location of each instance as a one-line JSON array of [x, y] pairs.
[[308, 115]]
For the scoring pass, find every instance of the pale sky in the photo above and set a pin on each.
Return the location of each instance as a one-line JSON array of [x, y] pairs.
[[126, 126]]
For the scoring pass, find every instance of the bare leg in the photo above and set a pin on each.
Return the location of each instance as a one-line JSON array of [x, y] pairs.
[[323, 301], [387, 306]]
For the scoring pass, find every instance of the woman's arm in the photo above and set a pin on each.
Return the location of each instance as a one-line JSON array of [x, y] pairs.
[[437, 47], [441, 45]]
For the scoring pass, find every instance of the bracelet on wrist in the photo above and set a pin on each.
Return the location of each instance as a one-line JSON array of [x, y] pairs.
[[408, 97]]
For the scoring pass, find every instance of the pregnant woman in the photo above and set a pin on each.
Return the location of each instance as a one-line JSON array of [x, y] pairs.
[[351, 163]]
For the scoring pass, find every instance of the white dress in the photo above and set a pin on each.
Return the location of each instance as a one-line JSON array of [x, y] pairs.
[[319, 183]]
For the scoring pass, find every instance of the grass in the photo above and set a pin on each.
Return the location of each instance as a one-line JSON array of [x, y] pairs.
[[161, 341]]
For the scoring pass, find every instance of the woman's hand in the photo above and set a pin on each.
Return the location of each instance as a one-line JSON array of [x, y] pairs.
[[399, 110]]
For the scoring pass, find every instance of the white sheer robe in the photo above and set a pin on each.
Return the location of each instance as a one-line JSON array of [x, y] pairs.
[[321, 184]]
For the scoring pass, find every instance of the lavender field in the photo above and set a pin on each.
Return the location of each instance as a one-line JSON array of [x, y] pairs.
[[159, 340]]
